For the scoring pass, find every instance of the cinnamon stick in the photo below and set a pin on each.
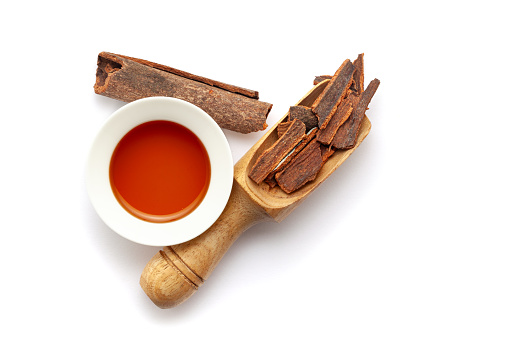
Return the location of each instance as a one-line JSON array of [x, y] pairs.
[[327, 102], [273, 155], [346, 136], [230, 88], [303, 168], [128, 79]]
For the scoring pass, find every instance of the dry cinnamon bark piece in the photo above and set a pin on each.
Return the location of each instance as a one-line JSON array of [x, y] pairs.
[[358, 74], [304, 114], [128, 79], [270, 179], [326, 104], [320, 78], [294, 152], [282, 127], [344, 110], [346, 135], [303, 168], [273, 155], [230, 88], [326, 152]]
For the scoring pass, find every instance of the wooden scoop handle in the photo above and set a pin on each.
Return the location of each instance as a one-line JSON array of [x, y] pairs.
[[176, 272]]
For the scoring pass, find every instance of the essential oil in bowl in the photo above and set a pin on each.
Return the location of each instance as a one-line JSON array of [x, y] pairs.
[[160, 171]]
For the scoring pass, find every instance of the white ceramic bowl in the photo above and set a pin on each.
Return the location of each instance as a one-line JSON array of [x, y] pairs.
[[221, 176]]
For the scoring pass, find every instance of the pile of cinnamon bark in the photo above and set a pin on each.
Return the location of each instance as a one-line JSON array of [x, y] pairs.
[[308, 136]]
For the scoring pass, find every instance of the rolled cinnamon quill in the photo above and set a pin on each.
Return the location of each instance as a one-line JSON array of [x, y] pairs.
[[128, 79]]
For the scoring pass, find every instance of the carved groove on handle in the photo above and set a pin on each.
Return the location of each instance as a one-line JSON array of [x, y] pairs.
[[173, 259]]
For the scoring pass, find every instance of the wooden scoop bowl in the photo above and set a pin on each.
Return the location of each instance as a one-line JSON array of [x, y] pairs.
[[176, 272]]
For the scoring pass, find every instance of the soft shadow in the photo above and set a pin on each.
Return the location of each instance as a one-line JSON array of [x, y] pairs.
[[128, 259], [275, 244], [203, 297], [109, 105], [125, 256], [241, 143], [269, 247]]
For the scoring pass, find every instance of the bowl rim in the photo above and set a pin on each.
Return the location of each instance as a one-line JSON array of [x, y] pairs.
[[98, 182]]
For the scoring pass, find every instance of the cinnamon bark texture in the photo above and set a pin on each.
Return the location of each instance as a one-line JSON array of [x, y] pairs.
[[303, 168], [326, 104], [305, 115], [326, 151], [282, 127], [326, 134], [271, 157], [346, 135], [358, 74], [289, 157], [231, 88], [270, 179], [320, 78], [128, 79]]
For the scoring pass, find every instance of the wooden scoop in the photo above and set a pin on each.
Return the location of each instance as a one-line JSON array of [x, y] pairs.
[[176, 272]]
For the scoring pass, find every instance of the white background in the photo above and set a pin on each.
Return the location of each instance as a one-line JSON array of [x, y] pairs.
[[408, 239]]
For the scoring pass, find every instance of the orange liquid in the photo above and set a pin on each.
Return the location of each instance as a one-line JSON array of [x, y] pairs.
[[160, 171]]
